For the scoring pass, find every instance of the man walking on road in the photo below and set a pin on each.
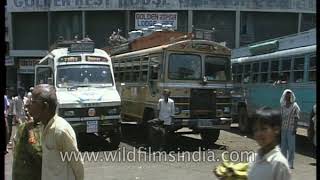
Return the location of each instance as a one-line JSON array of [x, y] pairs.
[[290, 114], [166, 110], [27, 153], [58, 137]]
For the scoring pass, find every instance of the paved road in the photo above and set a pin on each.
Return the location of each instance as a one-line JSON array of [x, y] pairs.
[[174, 168]]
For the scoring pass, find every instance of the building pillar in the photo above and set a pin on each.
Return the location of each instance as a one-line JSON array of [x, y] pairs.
[[237, 31], [127, 21], [83, 24], [190, 21], [299, 22]]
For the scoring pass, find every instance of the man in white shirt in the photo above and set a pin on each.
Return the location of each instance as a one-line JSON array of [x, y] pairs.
[[166, 113], [58, 137]]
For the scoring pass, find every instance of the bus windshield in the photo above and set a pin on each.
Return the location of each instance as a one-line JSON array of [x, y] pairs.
[[184, 67], [217, 68], [84, 75]]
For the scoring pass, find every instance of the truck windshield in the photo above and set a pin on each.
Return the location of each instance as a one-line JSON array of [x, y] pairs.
[[184, 67], [84, 75], [217, 68]]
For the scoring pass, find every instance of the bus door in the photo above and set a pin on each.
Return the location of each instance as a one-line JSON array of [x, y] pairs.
[[43, 75]]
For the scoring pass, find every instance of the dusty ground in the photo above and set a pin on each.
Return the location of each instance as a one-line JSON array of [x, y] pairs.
[[229, 141]]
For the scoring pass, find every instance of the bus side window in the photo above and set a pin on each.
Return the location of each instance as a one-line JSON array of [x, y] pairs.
[[247, 73], [154, 68], [264, 72], [285, 70], [255, 70], [44, 75], [144, 69], [275, 75], [298, 69], [312, 68], [136, 70]]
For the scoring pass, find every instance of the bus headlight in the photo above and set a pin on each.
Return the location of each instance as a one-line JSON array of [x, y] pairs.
[[177, 110], [114, 111], [226, 109], [68, 113]]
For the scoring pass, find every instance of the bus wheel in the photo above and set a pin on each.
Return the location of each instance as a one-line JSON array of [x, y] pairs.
[[243, 120], [115, 138], [210, 137]]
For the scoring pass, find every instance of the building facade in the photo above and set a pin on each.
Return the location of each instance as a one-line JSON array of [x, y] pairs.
[[34, 25]]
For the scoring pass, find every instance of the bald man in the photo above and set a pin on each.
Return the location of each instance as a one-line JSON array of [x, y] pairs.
[[58, 137]]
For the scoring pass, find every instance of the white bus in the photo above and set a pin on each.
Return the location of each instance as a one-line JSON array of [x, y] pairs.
[[85, 86]]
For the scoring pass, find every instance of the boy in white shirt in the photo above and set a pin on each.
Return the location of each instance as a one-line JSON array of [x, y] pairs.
[[269, 163]]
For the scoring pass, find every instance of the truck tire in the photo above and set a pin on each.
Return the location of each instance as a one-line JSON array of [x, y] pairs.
[[143, 127], [210, 137], [243, 120], [114, 139]]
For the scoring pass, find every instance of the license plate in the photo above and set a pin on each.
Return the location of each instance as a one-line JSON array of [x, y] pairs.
[[92, 126], [204, 123]]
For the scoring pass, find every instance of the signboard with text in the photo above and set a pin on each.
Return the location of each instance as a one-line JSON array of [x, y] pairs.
[[9, 61], [144, 20], [26, 66], [76, 5]]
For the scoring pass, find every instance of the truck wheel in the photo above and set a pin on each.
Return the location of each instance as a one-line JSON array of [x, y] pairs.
[[114, 139], [210, 137], [144, 126], [152, 137], [243, 120]]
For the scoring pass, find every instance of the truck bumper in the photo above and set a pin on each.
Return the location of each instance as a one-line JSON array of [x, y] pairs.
[[201, 124], [103, 126]]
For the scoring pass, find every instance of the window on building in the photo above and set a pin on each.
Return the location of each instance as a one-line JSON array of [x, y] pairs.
[[66, 24], [243, 22]]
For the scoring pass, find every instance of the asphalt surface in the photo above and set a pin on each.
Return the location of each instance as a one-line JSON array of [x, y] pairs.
[[183, 159]]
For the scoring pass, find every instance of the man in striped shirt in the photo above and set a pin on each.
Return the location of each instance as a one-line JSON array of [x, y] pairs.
[[290, 114]]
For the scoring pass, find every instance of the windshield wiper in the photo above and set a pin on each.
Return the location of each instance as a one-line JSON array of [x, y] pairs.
[[103, 85], [77, 86]]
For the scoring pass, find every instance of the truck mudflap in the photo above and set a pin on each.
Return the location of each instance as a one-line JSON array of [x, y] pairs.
[[218, 123]]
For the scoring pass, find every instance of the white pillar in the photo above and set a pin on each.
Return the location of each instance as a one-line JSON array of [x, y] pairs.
[[190, 20], [237, 35]]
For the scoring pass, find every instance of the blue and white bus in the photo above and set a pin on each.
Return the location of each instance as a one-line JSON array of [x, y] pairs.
[[262, 71]]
